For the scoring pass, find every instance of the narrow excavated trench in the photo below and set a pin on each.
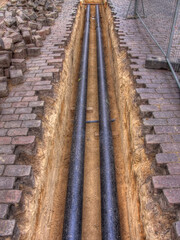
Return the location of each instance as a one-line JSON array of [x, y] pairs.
[[43, 214]]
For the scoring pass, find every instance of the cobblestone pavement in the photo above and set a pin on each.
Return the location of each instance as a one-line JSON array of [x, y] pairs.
[[162, 16], [160, 109], [159, 20], [20, 120]]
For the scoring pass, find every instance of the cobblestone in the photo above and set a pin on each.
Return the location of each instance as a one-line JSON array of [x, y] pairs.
[[149, 108], [12, 124], [36, 104], [41, 88], [168, 181], [10, 196], [17, 170], [23, 140], [6, 182], [154, 122], [7, 227], [8, 111], [173, 168], [172, 195], [11, 117], [7, 149], [153, 139], [17, 132], [166, 129], [169, 114], [5, 140], [170, 147], [164, 158], [31, 124], [3, 210], [31, 116], [23, 110], [7, 159]]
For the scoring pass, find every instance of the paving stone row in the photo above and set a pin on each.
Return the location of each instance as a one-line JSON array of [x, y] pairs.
[[158, 95], [19, 114]]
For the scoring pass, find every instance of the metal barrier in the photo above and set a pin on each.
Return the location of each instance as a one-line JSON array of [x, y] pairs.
[[161, 19]]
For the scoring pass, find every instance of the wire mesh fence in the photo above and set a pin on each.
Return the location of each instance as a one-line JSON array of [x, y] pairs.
[[175, 50], [161, 19]]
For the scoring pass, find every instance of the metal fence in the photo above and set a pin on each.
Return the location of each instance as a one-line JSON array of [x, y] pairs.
[[161, 19]]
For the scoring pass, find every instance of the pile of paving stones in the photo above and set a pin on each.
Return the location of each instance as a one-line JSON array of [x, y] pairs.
[[22, 31]]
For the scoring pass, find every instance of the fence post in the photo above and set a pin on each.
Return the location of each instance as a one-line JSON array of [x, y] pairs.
[[173, 28], [128, 9], [135, 8]]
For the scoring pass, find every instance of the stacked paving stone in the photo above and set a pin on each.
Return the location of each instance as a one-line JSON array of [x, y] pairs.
[[26, 24], [160, 111], [20, 119]]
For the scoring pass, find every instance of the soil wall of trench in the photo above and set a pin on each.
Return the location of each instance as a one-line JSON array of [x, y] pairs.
[[140, 215]]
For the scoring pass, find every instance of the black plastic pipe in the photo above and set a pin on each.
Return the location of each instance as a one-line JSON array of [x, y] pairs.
[[73, 210], [109, 205]]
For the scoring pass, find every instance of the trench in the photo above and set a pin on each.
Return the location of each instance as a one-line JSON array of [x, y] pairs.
[[43, 213]]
